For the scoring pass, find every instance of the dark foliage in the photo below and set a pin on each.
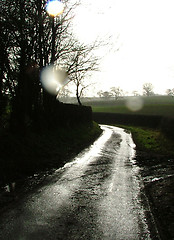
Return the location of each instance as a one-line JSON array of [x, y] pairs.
[[167, 127], [165, 124], [128, 119], [31, 39]]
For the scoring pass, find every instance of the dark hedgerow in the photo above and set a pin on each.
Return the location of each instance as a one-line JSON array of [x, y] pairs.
[[23, 156], [128, 119], [167, 127]]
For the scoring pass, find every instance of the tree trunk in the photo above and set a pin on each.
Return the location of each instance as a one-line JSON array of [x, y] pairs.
[[77, 95], [19, 103]]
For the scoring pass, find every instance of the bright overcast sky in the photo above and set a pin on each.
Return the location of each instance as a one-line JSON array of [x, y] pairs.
[[146, 41]]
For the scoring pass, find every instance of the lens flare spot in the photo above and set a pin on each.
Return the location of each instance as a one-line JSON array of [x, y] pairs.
[[53, 78], [134, 103], [54, 7]]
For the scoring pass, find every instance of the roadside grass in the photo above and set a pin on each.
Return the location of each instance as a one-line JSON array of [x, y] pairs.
[[151, 140], [24, 156]]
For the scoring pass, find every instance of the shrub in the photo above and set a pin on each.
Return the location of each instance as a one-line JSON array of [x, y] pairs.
[[167, 127]]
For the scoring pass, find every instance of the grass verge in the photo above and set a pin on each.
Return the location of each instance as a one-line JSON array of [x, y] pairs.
[[24, 156], [151, 140], [155, 156]]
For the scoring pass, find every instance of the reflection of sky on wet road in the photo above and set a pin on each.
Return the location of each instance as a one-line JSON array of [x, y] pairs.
[[121, 212], [96, 196]]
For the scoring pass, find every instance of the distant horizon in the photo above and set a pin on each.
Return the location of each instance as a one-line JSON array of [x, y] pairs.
[[94, 88], [112, 97]]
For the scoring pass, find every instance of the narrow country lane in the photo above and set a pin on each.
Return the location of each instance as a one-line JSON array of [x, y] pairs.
[[96, 196]]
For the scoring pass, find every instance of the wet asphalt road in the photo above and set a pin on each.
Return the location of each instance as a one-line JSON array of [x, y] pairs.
[[96, 196]]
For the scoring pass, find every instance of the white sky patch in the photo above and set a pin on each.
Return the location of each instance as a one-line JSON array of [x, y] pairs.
[[146, 38]]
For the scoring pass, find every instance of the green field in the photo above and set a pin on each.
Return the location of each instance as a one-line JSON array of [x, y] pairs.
[[156, 105]]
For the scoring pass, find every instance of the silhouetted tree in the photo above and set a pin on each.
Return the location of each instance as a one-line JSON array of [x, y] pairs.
[[148, 89], [31, 39], [82, 62], [64, 93], [100, 93], [104, 94], [170, 92], [135, 93], [116, 92]]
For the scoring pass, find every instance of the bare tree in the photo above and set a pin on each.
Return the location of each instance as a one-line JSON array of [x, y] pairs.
[[82, 62], [30, 40], [64, 93], [116, 92], [100, 93], [105, 94], [148, 89], [135, 93], [170, 92]]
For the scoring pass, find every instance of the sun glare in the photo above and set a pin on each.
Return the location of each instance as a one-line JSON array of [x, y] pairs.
[[54, 7], [53, 78]]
